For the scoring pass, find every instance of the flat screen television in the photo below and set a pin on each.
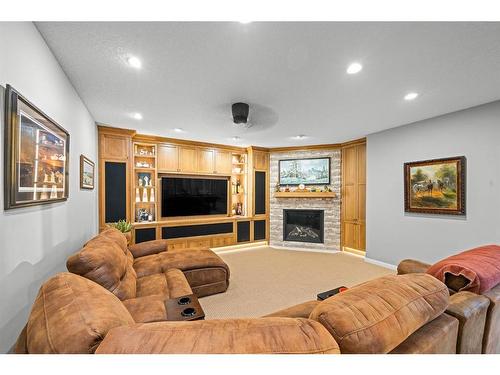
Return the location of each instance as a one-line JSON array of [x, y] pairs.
[[183, 196]]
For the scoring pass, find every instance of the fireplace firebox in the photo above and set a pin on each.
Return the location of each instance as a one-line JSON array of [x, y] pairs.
[[303, 225]]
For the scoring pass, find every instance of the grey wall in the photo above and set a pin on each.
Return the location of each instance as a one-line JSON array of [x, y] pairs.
[[392, 234], [330, 206], [35, 242]]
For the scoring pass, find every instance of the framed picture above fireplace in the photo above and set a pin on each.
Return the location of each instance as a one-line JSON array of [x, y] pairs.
[[313, 171]]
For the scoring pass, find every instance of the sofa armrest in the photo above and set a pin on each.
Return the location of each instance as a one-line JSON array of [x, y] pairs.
[[228, 336], [470, 309], [148, 248], [412, 266], [302, 310]]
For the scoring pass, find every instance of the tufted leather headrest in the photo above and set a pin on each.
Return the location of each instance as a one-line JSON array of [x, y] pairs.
[[103, 261], [376, 316], [72, 315]]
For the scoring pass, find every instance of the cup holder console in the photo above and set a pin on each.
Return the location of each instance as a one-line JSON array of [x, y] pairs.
[[188, 312], [184, 301]]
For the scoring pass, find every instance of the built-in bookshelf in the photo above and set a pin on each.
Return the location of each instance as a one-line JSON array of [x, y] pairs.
[[239, 184], [145, 176]]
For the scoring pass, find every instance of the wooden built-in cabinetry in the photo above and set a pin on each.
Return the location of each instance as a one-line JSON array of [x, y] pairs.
[[131, 157], [354, 197]]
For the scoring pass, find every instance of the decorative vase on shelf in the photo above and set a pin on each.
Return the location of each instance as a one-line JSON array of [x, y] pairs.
[[53, 192], [137, 195], [152, 195], [144, 195]]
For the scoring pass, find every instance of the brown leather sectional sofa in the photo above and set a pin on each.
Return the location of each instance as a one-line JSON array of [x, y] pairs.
[[479, 315], [113, 301], [393, 314]]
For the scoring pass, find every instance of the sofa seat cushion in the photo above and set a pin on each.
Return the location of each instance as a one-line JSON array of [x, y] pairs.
[[170, 284], [476, 270], [147, 309], [378, 315], [103, 261], [185, 260], [72, 314], [228, 336]]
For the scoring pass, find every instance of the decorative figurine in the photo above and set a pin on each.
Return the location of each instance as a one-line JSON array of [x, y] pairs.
[[152, 195], [140, 181], [146, 181], [144, 195], [137, 195], [277, 188]]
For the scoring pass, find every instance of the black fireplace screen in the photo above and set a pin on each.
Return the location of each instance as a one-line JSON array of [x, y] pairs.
[[303, 225]]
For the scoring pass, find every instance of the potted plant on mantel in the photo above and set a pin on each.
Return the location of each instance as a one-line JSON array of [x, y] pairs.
[[125, 227]]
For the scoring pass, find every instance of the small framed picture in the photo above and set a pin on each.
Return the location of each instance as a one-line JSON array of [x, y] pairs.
[[87, 173], [435, 186]]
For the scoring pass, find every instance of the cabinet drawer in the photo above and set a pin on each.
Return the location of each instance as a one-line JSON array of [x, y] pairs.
[[198, 243], [222, 241], [178, 245]]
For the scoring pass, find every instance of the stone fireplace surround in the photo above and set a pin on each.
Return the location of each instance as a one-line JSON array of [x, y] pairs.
[[331, 207]]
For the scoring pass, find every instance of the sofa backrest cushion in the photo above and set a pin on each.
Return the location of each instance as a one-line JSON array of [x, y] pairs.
[[116, 236], [103, 261], [72, 315], [476, 270], [376, 316]]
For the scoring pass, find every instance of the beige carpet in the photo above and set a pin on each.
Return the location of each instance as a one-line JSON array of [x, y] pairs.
[[264, 280]]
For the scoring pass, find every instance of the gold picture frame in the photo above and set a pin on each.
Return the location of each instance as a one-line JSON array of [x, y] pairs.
[[435, 186]]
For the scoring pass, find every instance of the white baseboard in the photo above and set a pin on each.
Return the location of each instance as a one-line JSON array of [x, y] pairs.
[[381, 264], [328, 251], [238, 248]]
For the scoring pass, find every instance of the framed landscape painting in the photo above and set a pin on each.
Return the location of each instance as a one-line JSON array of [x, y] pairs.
[[36, 155], [314, 171], [87, 172], [435, 186]]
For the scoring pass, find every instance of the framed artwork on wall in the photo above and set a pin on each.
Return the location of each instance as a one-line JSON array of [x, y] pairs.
[[314, 171], [435, 186], [36, 155], [87, 173]]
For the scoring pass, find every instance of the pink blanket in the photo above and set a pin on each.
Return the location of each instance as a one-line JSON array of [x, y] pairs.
[[479, 266]]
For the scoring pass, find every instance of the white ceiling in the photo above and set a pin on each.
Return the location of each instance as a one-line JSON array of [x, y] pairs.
[[292, 74]]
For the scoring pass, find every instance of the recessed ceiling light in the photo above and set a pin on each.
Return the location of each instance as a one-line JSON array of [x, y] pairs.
[[178, 130], [300, 136], [236, 138], [354, 68], [411, 96], [134, 62], [137, 116]]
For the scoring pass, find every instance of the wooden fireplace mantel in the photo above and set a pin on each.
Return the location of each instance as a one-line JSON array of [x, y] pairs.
[[305, 194]]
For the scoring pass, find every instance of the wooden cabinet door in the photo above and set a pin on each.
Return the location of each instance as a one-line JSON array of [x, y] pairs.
[[206, 160], [350, 235], [354, 196], [260, 160], [168, 158], [114, 147], [188, 159], [223, 162], [198, 243]]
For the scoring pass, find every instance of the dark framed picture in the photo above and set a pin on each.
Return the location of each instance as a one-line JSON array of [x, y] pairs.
[[87, 173], [314, 171], [436, 186], [36, 155]]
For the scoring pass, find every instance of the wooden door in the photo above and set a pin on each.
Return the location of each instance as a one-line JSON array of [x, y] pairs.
[[354, 197], [206, 160], [223, 162], [168, 158], [188, 161]]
